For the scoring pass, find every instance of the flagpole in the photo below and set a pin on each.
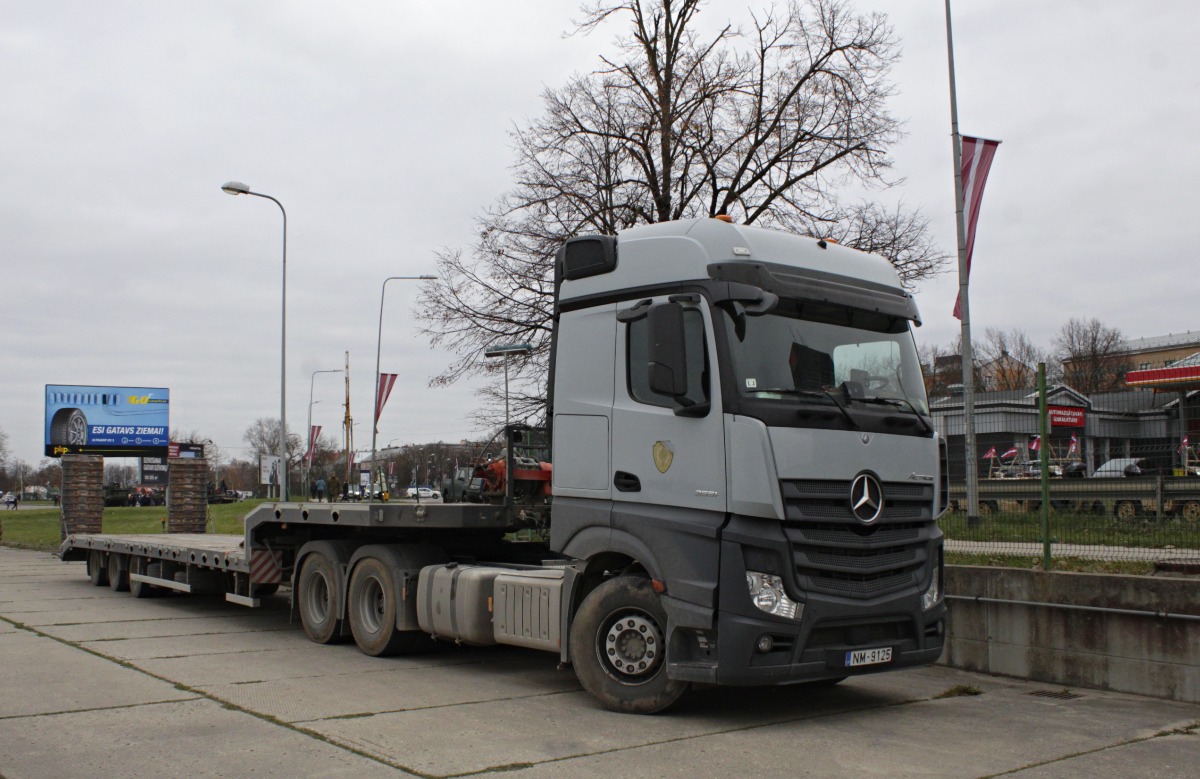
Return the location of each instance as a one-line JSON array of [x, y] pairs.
[[968, 372], [378, 346]]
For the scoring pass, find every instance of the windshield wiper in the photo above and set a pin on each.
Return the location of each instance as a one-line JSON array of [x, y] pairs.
[[814, 394], [900, 402]]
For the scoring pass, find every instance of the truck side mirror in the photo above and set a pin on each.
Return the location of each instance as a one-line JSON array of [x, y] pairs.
[[668, 354]]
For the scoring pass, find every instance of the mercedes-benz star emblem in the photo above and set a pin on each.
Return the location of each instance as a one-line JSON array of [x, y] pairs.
[[866, 498]]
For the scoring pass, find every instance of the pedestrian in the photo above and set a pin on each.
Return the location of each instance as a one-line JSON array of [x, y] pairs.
[[320, 490]]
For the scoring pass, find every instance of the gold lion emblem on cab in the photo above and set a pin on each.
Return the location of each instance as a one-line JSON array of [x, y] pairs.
[[664, 453]]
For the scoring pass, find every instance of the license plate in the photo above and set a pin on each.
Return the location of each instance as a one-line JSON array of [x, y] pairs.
[[869, 656]]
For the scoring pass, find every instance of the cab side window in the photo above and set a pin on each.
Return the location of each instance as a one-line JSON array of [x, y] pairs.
[[637, 358]]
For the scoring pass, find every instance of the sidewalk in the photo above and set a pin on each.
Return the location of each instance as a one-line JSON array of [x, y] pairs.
[[97, 683]]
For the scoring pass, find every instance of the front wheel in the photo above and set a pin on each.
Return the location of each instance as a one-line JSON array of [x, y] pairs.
[[619, 648]]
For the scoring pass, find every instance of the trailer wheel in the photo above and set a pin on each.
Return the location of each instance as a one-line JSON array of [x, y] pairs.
[[619, 647], [371, 608], [1126, 509], [96, 568], [318, 587], [118, 574], [1191, 512], [139, 589]]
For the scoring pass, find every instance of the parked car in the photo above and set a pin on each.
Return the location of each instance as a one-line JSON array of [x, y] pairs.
[[1119, 468], [423, 493]]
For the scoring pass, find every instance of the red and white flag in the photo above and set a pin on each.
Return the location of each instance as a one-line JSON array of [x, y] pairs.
[[1035, 444], [1074, 447], [990, 454], [977, 154], [1010, 453], [313, 432], [386, 382]]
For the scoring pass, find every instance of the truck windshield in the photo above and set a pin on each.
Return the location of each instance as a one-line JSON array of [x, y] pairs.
[[810, 352]]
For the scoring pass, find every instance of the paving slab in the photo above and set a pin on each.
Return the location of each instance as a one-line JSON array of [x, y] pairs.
[[132, 649], [1162, 757], [301, 659], [40, 675], [976, 736], [196, 738], [571, 724], [417, 687]]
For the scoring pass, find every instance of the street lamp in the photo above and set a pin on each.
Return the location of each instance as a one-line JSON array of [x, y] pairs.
[[378, 346], [506, 351], [308, 465], [238, 188]]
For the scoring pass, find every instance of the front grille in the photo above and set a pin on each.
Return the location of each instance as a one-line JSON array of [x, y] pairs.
[[854, 635], [863, 585], [834, 553]]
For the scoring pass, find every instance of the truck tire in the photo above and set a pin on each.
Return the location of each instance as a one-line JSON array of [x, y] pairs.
[[139, 589], [1127, 509], [118, 573], [371, 609], [97, 568], [317, 599], [69, 427], [618, 647], [1191, 512]]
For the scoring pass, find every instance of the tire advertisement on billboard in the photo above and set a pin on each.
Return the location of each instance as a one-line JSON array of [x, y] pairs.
[[112, 421]]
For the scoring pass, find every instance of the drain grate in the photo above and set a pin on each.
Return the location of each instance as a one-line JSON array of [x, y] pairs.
[[1062, 695]]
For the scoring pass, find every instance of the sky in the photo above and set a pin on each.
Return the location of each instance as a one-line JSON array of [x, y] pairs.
[[382, 126]]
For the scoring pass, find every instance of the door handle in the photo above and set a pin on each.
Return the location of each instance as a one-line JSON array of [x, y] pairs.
[[626, 482]]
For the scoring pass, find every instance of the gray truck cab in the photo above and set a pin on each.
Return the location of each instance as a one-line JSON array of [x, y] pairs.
[[739, 419]]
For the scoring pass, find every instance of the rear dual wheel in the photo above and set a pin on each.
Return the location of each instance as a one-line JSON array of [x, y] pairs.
[[137, 589], [371, 608], [118, 572], [317, 596], [97, 568]]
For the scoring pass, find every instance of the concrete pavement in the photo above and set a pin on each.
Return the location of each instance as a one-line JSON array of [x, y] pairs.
[[94, 682]]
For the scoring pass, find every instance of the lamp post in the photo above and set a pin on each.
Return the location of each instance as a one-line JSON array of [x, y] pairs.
[[506, 351], [378, 346], [238, 188], [308, 464]]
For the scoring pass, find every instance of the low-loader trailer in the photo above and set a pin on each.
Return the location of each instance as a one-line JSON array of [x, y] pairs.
[[740, 485]]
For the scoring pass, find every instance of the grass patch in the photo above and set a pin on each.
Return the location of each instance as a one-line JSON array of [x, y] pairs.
[[1144, 530], [1069, 564], [958, 691], [40, 528]]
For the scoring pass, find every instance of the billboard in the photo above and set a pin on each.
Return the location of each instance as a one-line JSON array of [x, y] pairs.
[[268, 469], [113, 421], [154, 472]]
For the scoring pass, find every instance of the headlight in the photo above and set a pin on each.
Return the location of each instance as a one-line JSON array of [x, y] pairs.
[[934, 593], [766, 592]]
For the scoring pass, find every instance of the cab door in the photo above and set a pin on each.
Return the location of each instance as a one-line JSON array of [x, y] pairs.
[[668, 440]]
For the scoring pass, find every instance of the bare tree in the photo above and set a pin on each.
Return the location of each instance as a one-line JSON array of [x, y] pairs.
[[764, 125], [1092, 356], [263, 437], [1008, 359]]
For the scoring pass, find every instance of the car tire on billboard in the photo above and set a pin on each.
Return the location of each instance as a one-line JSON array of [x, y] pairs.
[[69, 427]]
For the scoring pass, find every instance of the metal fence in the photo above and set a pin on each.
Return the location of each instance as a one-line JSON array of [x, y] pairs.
[[1122, 483]]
